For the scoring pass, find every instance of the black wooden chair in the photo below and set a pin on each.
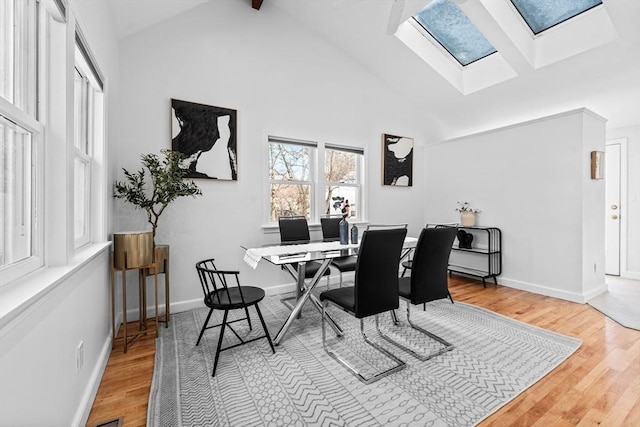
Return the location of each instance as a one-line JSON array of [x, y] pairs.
[[295, 230], [330, 232], [221, 294], [375, 291], [429, 280]]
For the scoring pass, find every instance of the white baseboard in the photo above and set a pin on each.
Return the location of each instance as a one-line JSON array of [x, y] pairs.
[[89, 395], [180, 306], [551, 292], [633, 275]]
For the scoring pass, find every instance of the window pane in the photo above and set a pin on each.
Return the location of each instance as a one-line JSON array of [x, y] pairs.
[[18, 53], [290, 199], [446, 23], [541, 15], [7, 49], [80, 199], [288, 162], [341, 200], [78, 109], [340, 167], [15, 203]]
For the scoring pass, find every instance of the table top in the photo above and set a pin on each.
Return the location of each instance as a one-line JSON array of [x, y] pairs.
[[291, 252]]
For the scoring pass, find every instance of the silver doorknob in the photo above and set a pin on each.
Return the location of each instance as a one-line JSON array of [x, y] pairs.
[[614, 207], [614, 216]]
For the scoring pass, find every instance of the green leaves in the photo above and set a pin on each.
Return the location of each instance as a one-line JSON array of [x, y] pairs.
[[166, 184]]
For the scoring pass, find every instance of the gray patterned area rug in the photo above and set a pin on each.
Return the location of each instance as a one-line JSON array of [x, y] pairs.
[[495, 358]]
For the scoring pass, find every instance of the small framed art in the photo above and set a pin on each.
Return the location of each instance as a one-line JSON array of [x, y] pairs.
[[397, 160]]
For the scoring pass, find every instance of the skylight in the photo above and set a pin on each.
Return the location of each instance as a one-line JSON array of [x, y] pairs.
[[450, 27], [540, 15]]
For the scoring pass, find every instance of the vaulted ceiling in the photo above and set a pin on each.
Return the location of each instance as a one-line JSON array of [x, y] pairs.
[[605, 79]]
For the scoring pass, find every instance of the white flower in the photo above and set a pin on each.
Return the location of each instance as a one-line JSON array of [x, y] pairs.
[[465, 207]]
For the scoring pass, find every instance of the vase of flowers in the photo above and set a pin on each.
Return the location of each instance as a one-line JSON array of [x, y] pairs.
[[467, 214]]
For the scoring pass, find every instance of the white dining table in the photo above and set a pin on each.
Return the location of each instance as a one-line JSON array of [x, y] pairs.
[[301, 253]]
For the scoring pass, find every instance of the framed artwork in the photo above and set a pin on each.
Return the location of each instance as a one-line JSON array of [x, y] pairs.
[[397, 160], [597, 164], [206, 136]]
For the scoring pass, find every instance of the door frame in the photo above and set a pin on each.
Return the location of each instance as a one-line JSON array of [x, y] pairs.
[[623, 202]]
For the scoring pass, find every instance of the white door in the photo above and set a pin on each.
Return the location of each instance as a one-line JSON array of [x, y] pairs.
[[612, 209]]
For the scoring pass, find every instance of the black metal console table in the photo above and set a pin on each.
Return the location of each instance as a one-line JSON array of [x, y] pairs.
[[487, 243]]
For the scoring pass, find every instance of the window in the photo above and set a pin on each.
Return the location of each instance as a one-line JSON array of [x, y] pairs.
[[342, 183], [296, 187], [540, 15], [88, 120], [21, 136], [449, 26]]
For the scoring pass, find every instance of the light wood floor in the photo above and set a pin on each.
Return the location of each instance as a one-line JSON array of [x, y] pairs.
[[597, 385]]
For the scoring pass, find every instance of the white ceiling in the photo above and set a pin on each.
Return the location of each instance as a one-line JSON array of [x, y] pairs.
[[605, 79]]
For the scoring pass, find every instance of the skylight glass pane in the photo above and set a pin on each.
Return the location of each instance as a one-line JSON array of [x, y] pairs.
[[446, 23], [541, 15]]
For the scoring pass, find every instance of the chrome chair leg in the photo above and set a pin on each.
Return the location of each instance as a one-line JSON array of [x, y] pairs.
[[446, 346], [399, 364], [394, 317]]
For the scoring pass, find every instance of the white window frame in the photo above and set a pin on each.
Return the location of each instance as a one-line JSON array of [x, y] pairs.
[[82, 155], [312, 146], [90, 136], [317, 181], [23, 109], [359, 184]]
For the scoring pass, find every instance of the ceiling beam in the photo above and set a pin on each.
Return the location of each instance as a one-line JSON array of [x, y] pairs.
[[256, 4]]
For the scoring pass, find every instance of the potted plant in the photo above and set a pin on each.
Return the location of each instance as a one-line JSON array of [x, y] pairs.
[[165, 185], [152, 193], [467, 214]]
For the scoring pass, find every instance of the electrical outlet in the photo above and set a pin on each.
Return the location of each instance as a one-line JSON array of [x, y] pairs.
[[79, 356]]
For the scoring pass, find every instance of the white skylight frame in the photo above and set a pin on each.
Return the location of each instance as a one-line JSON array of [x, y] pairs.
[[532, 19], [563, 40], [519, 50], [488, 71]]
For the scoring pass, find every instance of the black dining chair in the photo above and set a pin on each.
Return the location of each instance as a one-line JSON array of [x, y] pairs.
[[295, 229], [429, 280], [375, 291], [221, 292], [406, 265], [330, 232]]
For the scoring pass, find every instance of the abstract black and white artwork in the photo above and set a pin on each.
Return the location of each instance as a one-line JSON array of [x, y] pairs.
[[397, 158], [206, 136]]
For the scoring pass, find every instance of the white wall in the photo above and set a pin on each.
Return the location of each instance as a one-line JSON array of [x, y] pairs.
[[283, 81], [39, 384], [630, 250], [532, 181]]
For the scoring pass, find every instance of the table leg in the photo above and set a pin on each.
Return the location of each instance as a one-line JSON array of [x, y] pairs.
[[405, 253], [124, 307], [113, 302], [303, 298], [155, 295], [167, 308], [142, 317], [327, 316], [300, 284]]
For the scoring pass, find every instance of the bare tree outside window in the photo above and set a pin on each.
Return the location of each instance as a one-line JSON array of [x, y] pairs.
[[289, 172], [341, 176], [298, 187]]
